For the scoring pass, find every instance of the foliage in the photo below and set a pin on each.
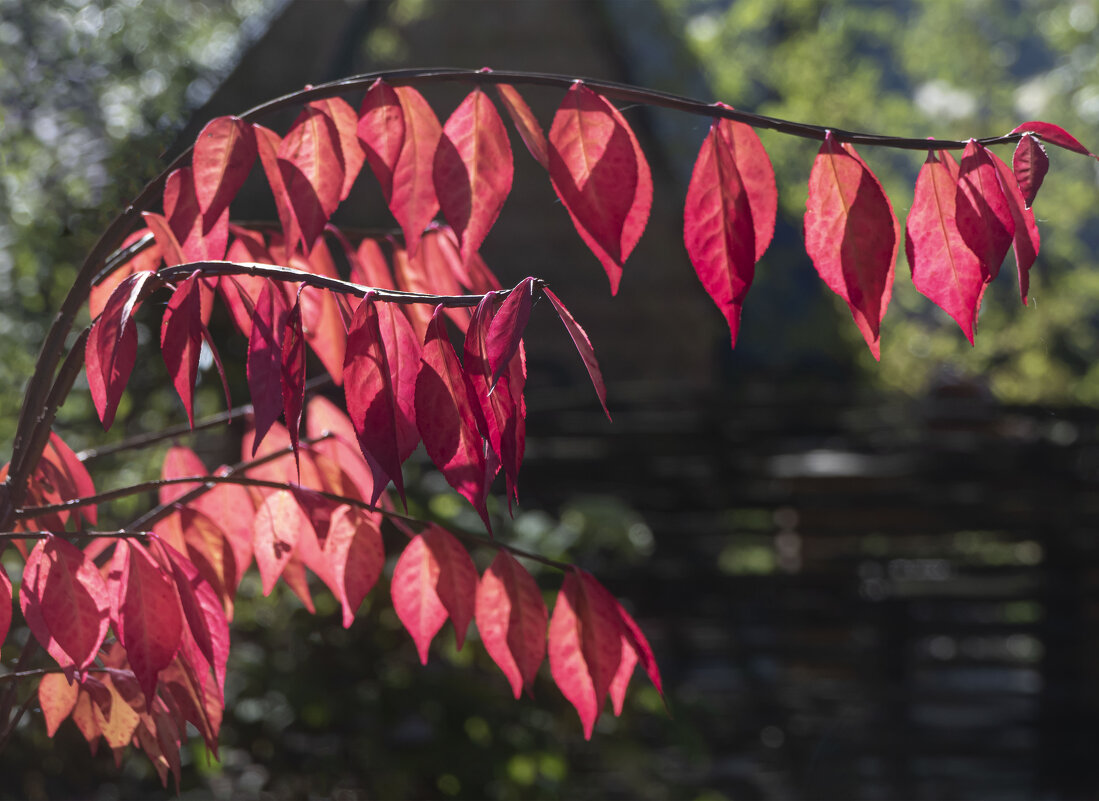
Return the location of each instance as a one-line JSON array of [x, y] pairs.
[[135, 619]]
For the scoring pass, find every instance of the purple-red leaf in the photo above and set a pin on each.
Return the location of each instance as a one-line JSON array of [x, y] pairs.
[[293, 375], [1026, 241], [473, 170], [599, 172], [1029, 165], [943, 267], [223, 156], [511, 617], [5, 604], [312, 168], [381, 132], [852, 235], [413, 200], [583, 347], [525, 123], [506, 331], [181, 340], [1055, 135], [446, 417], [265, 359], [981, 209], [345, 120]]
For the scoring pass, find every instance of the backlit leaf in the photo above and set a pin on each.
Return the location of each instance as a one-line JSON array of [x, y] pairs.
[[200, 237], [456, 585], [1026, 240], [346, 122], [181, 340], [355, 552], [311, 164], [57, 698], [511, 618], [413, 200], [278, 525], [583, 347], [223, 156], [293, 375], [381, 131], [414, 598], [506, 331], [265, 359], [1029, 165], [981, 209], [525, 123]]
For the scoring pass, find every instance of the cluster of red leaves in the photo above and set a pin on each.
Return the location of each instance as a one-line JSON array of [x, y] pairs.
[[317, 498]]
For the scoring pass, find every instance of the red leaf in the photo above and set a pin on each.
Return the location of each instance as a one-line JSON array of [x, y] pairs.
[[146, 613], [583, 347], [312, 168], [293, 376], [381, 131], [148, 259], [377, 394], [181, 340], [57, 698], [223, 156], [111, 348], [201, 607], [943, 267], [166, 241], [345, 120], [719, 221], [632, 633], [1029, 166], [982, 213], [456, 585], [599, 172], [65, 602], [446, 418], [76, 482], [852, 235], [265, 359], [413, 200], [5, 605], [511, 617], [1026, 240], [343, 449], [210, 551], [355, 552], [525, 123], [1055, 135], [200, 237], [622, 676], [585, 644], [323, 326], [506, 331], [279, 523], [473, 170], [372, 269], [268, 144]]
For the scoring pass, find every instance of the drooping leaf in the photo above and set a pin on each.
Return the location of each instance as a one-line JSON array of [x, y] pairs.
[[640, 645], [473, 170], [601, 176], [57, 698], [447, 420], [506, 331], [585, 644], [620, 683], [181, 340], [65, 602], [147, 259], [943, 267], [372, 268], [293, 375], [167, 244], [212, 554], [268, 144], [1055, 135], [414, 598], [381, 132], [1029, 165], [224, 153], [413, 200], [525, 123], [981, 209], [311, 164], [583, 347], [1026, 241], [84, 719], [456, 584], [265, 359], [720, 228], [6, 601], [356, 554], [383, 428], [117, 719], [145, 612], [111, 349], [323, 416], [346, 122], [200, 237], [72, 479], [852, 235], [512, 617], [278, 525]]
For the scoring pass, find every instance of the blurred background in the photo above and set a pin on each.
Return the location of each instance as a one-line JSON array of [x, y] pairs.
[[861, 580]]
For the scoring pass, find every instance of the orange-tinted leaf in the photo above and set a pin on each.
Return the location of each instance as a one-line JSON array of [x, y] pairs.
[[118, 719], [381, 132], [852, 235], [583, 347], [223, 156], [324, 328], [720, 226], [71, 478], [65, 602], [278, 525], [413, 200], [447, 420], [148, 259], [473, 170], [210, 551], [356, 555], [84, 719], [981, 209], [943, 267], [181, 340], [1026, 240], [1029, 165], [585, 644], [57, 697], [599, 172], [525, 123], [511, 617], [311, 164], [324, 416], [371, 267], [145, 613]]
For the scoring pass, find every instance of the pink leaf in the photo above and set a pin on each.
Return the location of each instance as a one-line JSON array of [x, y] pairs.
[[414, 598], [293, 375], [413, 200], [1029, 165], [583, 347], [381, 132], [852, 235], [278, 525], [473, 170], [312, 168], [345, 120], [943, 267], [599, 172], [181, 340], [147, 259], [1026, 241], [356, 555], [525, 123], [456, 585], [982, 213], [268, 144], [632, 633], [200, 237], [223, 156], [511, 617]]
